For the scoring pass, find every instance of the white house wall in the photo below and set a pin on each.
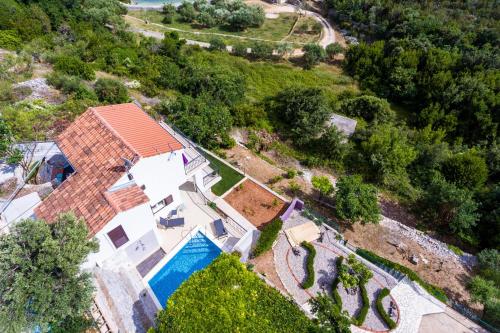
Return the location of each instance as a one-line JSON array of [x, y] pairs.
[[135, 222]]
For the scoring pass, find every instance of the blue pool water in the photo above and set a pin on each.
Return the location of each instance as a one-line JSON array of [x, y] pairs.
[[197, 254]]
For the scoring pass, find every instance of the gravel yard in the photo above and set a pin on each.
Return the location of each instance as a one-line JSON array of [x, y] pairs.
[[291, 270]]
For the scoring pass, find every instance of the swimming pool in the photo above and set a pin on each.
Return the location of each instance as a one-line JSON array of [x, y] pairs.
[[197, 254]]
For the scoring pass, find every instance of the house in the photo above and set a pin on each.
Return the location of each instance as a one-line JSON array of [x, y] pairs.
[[128, 174]]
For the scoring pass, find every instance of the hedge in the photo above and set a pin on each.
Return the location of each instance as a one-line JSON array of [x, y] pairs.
[[380, 308], [311, 253], [267, 237], [431, 289], [360, 318], [335, 283]]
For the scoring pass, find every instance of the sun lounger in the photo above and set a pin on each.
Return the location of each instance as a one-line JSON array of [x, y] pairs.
[[170, 223], [220, 230]]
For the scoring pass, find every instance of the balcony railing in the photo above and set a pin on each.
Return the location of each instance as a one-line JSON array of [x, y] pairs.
[[209, 177], [194, 163]]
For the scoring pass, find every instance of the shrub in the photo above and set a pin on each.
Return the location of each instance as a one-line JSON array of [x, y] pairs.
[[275, 179], [267, 237], [380, 308], [455, 249], [311, 253], [431, 289], [71, 85], [291, 173], [217, 44], [360, 318], [9, 39], [335, 283], [262, 50], [74, 66], [111, 91], [240, 50]]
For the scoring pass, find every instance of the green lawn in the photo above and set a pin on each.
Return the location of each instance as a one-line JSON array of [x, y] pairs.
[[229, 175], [272, 29], [226, 297]]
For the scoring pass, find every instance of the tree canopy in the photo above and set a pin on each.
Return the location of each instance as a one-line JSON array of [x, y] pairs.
[[356, 201], [48, 289], [226, 297]]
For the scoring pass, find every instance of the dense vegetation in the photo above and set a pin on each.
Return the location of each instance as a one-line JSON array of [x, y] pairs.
[[311, 253], [267, 236], [48, 290], [239, 301]]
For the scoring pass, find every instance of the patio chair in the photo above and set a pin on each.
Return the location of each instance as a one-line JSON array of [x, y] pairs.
[[220, 230]]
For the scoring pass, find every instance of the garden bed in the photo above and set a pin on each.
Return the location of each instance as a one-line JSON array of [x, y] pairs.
[[255, 203]]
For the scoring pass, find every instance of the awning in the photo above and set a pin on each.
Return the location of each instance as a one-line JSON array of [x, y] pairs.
[[305, 232]]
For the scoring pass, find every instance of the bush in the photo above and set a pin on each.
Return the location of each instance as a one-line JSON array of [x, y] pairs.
[[380, 308], [74, 66], [291, 173], [71, 85], [111, 91], [217, 44], [267, 237], [240, 50], [262, 50], [360, 318], [431, 289], [311, 253], [9, 39]]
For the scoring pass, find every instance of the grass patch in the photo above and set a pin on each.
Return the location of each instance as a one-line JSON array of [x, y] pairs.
[[311, 253], [272, 29], [266, 79], [380, 308], [431, 289], [229, 175], [456, 250], [267, 237], [227, 297]]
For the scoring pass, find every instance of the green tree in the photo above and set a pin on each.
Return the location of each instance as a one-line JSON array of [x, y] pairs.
[[9, 39], [387, 153], [202, 119], [356, 201], [333, 49], [370, 108], [467, 169], [171, 45], [217, 44], [111, 91], [304, 110], [323, 185], [261, 50], [330, 317], [226, 297], [49, 288], [168, 12], [313, 54], [446, 205], [332, 145], [187, 12], [74, 66]]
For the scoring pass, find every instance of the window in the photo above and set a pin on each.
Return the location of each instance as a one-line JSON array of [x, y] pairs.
[[163, 203], [118, 236]]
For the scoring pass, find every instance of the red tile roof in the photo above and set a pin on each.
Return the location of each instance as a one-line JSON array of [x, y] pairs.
[[95, 144], [126, 198], [138, 130]]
